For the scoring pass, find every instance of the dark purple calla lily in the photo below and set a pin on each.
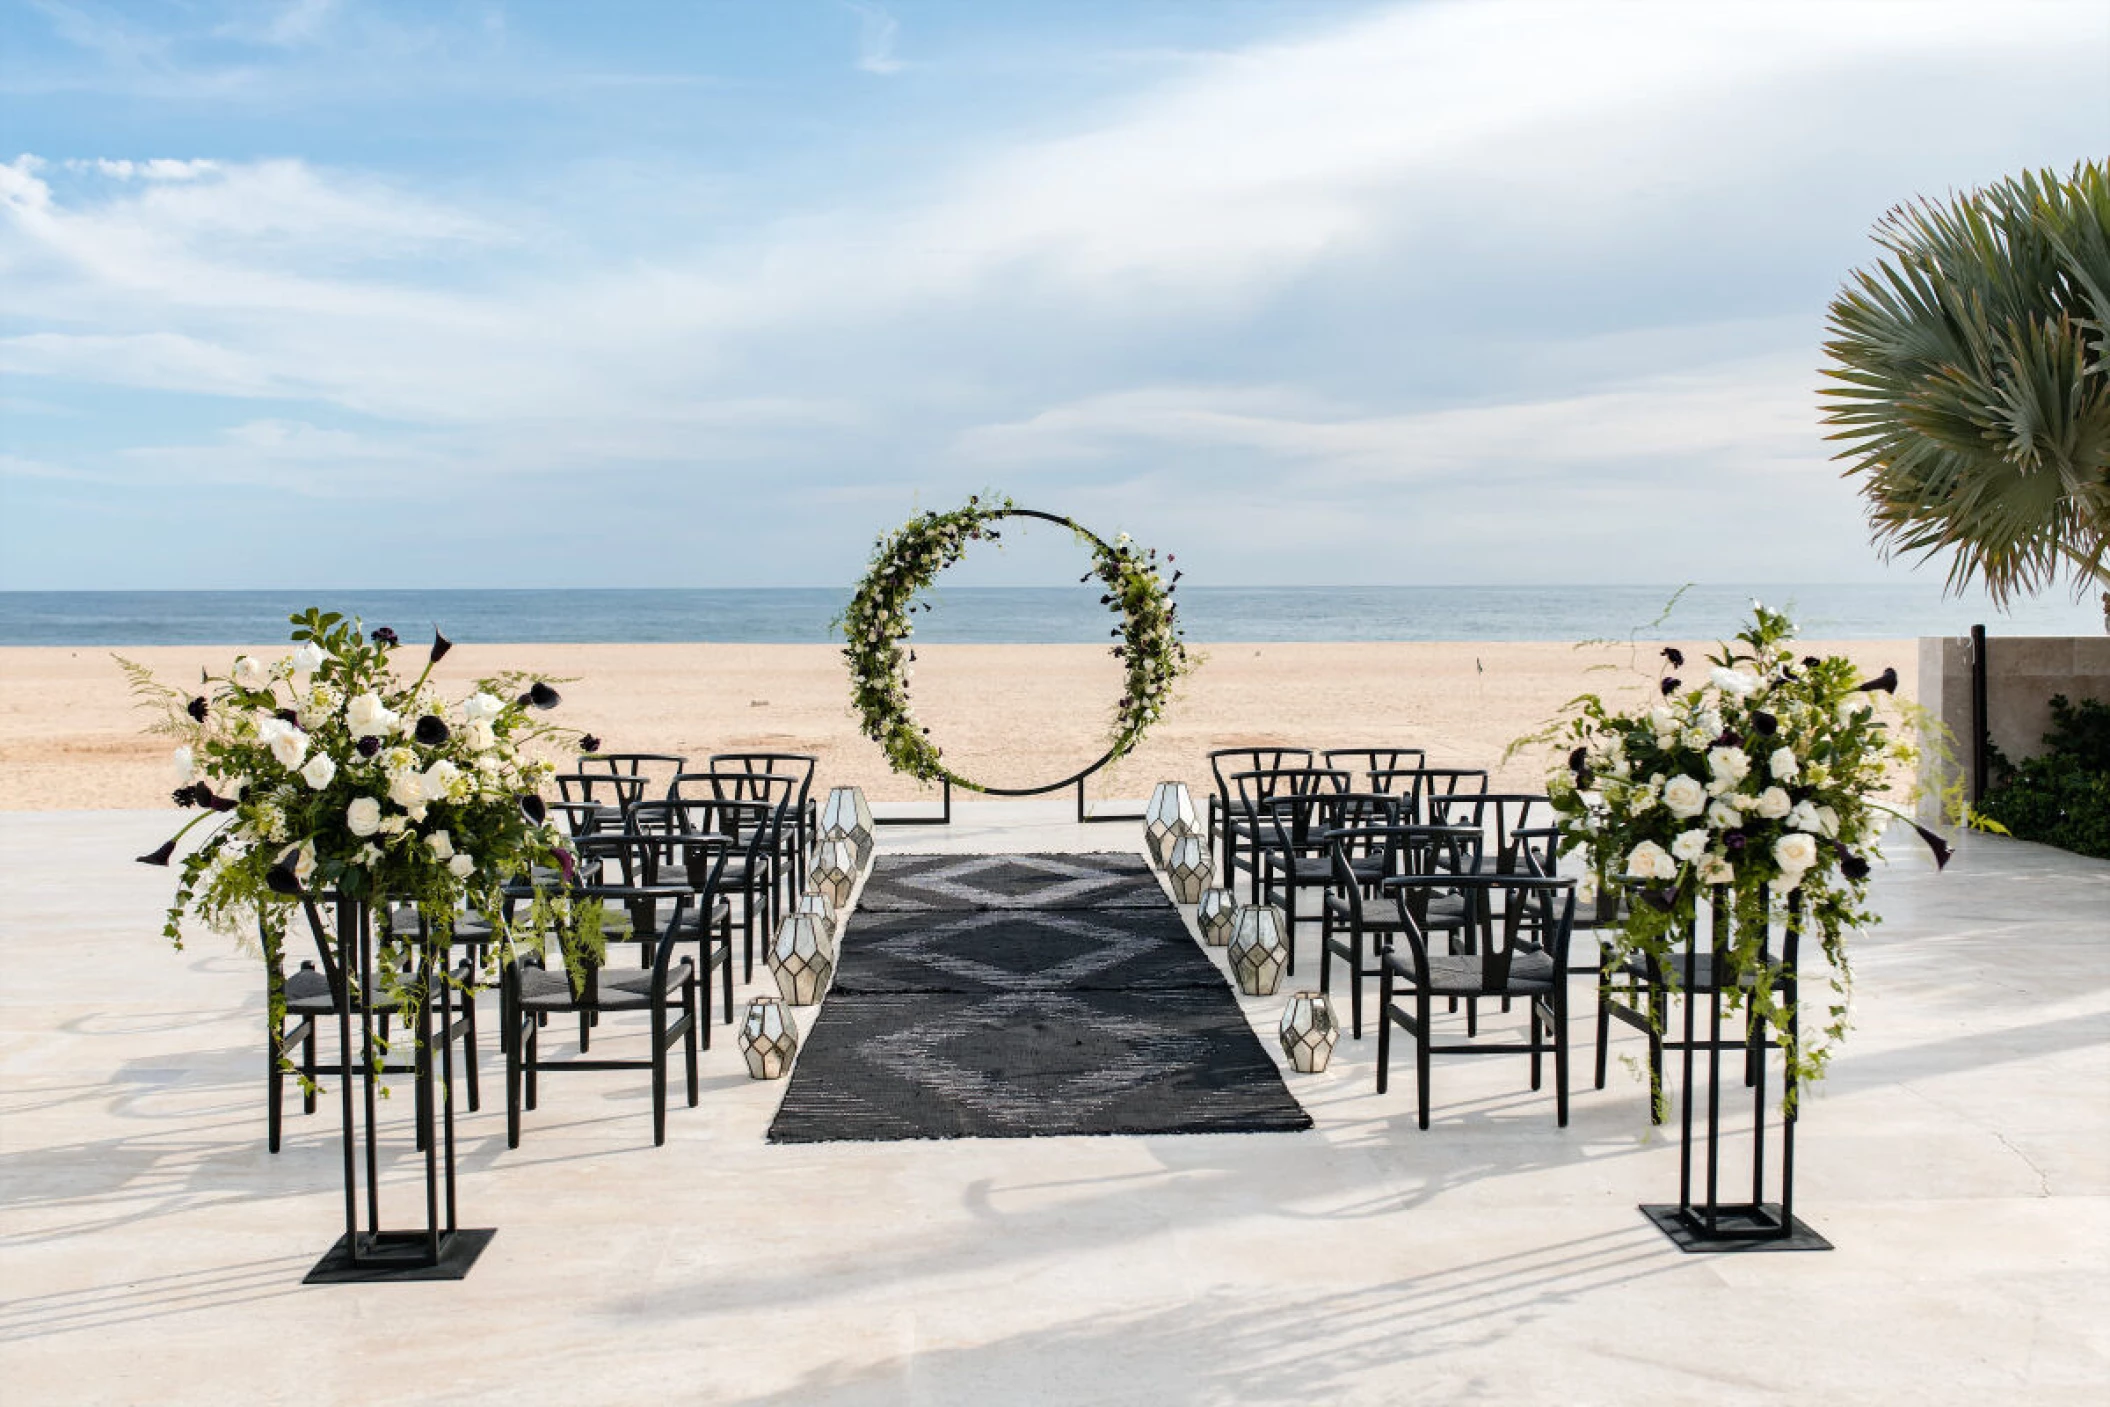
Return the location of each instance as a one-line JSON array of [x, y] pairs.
[[1886, 683], [160, 856], [284, 877], [534, 808], [197, 709], [1576, 758], [1670, 685], [1660, 899], [208, 800], [1675, 655], [440, 645], [1811, 661], [1764, 723], [541, 696], [1940, 847], [432, 730]]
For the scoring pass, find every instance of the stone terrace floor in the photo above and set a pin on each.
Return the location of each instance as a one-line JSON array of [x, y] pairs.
[[1958, 1156]]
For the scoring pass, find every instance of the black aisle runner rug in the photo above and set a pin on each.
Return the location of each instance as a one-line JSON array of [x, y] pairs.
[[1008, 996]]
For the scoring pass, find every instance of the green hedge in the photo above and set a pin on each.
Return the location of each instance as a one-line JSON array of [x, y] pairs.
[[2062, 797]]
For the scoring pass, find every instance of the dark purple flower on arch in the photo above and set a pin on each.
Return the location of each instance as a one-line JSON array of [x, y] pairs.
[[589, 743], [432, 730], [368, 746], [384, 636], [1811, 661], [1576, 759], [1675, 655], [287, 715], [161, 855], [1853, 866], [1660, 899], [1735, 840], [185, 797], [1670, 685], [197, 709]]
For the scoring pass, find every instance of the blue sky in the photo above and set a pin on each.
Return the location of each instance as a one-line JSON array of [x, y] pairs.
[[348, 294]]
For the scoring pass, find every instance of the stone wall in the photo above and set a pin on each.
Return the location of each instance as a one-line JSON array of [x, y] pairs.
[[2022, 673]]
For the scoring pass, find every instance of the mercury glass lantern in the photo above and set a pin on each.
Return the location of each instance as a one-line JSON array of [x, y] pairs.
[[823, 910], [1259, 951], [847, 816], [801, 959], [834, 871], [1215, 914], [1310, 1030], [768, 1039], [1187, 866], [1169, 816]]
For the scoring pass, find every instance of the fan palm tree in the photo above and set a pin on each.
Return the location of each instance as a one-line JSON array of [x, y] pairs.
[[1970, 383]]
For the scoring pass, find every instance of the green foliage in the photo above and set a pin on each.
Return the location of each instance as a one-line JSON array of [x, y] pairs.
[[2062, 797], [1971, 382], [878, 625]]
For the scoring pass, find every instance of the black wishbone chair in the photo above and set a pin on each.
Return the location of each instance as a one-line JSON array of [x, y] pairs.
[[752, 811], [667, 877], [1294, 855], [1502, 814], [657, 768], [1374, 766], [611, 794], [310, 995], [1230, 831], [1358, 924], [805, 809], [1421, 786], [1517, 930], [1247, 820], [710, 926]]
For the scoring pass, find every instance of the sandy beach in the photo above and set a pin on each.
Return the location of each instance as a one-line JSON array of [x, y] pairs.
[[1006, 715]]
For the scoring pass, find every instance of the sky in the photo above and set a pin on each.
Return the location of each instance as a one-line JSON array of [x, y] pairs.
[[328, 293]]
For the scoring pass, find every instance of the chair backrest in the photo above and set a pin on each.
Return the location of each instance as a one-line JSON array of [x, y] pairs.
[[1419, 784], [1405, 849], [1505, 917], [615, 791], [1226, 762], [1503, 813], [1300, 817], [1250, 791], [1376, 764], [654, 870], [631, 764], [751, 826], [580, 818], [789, 764]]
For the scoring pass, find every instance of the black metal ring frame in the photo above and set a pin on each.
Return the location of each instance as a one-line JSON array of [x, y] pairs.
[[1077, 779]]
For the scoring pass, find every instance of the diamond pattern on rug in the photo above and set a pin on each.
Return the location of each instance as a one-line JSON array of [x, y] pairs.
[[1008, 996], [913, 883]]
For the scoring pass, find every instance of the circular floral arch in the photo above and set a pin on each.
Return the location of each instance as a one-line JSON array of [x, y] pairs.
[[878, 627]]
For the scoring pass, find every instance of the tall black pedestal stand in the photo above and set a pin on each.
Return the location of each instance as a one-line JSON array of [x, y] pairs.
[[1708, 1223], [365, 1253]]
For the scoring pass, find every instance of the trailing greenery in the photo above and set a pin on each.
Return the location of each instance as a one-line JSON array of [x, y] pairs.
[[2062, 797], [1752, 787], [1971, 382], [878, 627]]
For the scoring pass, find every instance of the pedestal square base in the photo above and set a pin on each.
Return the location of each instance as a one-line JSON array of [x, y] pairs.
[[401, 1256], [1743, 1228]]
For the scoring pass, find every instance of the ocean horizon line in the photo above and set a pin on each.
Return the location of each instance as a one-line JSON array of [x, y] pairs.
[[1027, 614]]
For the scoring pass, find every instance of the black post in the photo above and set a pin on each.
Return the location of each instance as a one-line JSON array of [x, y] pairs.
[[1978, 721]]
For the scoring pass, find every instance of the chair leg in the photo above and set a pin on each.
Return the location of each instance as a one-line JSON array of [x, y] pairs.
[[1421, 1057], [511, 1038], [690, 1009], [1604, 1021], [274, 1084], [659, 1072], [1538, 1047], [1384, 1028], [469, 1047], [1559, 1016], [1289, 925], [307, 1068]]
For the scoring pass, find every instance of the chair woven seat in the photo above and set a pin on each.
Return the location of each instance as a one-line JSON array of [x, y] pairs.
[[308, 994], [1462, 975], [622, 988]]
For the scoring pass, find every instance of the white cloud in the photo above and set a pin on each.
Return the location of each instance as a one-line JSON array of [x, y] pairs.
[[876, 32]]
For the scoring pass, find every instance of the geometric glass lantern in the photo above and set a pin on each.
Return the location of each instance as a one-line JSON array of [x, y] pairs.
[[1309, 1031], [769, 1038], [822, 908], [846, 816], [1187, 866], [1258, 950], [1169, 816], [801, 959], [834, 871], [1217, 909]]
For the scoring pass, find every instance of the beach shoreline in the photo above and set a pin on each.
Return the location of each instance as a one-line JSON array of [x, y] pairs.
[[1006, 715]]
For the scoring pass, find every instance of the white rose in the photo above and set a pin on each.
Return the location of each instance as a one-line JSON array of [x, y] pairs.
[[270, 728], [1697, 738], [1690, 845], [394, 825], [363, 816], [1648, 860], [480, 736], [1785, 765], [1661, 720], [1684, 798], [368, 717], [290, 748], [441, 845], [186, 766], [308, 657], [1724, 816], [461, 867], [406, 788], [1803, 817], [1716, 870], [250, 673], [438, 778], [481, 708], [1828, 822], [320, 771], [1795, 852], [1734, 682], [1730, 764], [1773, 803]]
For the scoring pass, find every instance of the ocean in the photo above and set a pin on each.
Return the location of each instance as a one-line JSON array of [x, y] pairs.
[[1028, 615]]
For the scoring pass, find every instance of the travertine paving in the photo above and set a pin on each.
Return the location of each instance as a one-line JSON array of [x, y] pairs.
[[1959, 1156]]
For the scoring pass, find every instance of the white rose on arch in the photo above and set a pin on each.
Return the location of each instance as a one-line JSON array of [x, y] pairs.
[[461, 866], [481, 708], [406, 788], [1804, 817], [1729, 764], [1724, 816], [441, 844], [1795, 852], [320, 771], [1690, 845], [1773, 803], [368, 717], [363, 816], [1684, 798], [290, 748], [1784, 764], [1649, 860]]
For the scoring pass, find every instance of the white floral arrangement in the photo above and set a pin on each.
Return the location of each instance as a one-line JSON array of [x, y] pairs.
[[1760, 786], [321, 773]]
